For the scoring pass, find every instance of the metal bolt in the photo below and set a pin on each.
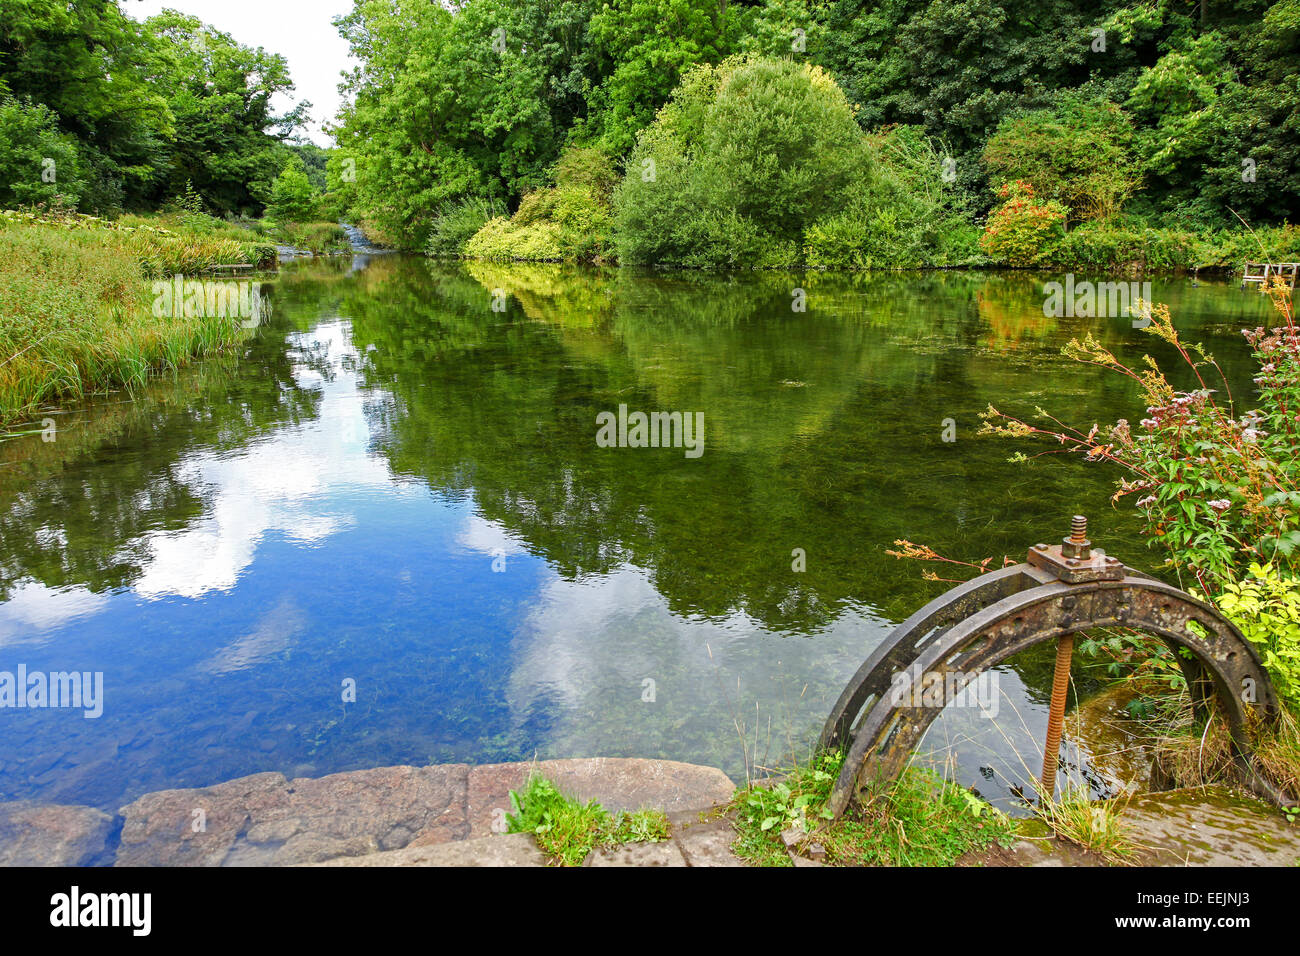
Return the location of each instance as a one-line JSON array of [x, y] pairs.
[[1077, 544], [1079, 529]]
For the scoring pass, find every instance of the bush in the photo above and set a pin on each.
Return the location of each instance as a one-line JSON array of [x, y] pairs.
[[740, 162], [293, 198], [900, 213], [570, 221], [502, 240], [1022, 232], [456, 223], [1101, 246], [1265, 606], [1079, 153]]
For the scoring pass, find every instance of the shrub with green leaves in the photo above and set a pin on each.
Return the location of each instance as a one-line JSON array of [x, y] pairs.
[[456, 223], [571, 221], [1023, 231], [568, 830], [1265, 606], [1218, 487], [737, 165], [1078, 152], [293, 197]]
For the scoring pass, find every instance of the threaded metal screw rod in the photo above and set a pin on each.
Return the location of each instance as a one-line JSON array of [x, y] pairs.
[[1061, 678]]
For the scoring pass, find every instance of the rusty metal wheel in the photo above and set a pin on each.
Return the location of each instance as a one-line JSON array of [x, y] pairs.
[[987, 620]]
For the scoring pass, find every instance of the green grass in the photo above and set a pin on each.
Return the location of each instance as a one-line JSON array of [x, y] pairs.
[[320, 238], [76, 312], [567, 830], [161, 245], [1094, 825], [922, 820]]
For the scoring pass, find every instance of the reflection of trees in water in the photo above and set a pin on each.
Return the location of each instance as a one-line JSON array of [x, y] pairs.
[[823, 430], [76, 511]]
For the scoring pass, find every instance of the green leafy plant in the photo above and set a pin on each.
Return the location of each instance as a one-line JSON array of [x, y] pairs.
[[567, 829], [1218, 490], [1023, 231], [1265, 606], [921, 820]]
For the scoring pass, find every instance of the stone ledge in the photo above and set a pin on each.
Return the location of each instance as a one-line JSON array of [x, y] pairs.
[[514, 849], [36, 834], [266, 820]]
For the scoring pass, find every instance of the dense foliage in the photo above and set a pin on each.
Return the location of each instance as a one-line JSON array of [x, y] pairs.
[[103, 112], [1133, 118]]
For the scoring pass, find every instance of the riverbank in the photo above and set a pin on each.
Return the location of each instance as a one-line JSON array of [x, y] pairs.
[[1121, 249], [455, 815], [80, 314]]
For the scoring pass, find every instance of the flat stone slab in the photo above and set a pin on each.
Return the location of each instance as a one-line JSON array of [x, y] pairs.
[[637, 854], [513, 849], [36, 834], [266, 820], [1211, 826], [707, 842], [617, 783]]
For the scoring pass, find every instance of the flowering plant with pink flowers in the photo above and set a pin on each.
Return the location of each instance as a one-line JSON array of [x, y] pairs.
[[1219, 488]]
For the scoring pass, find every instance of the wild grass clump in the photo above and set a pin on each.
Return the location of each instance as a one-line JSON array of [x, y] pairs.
[[1194, 752], [321, 238], [1094, 825], [567, 830], [921, 820], [76, 317], [183, 243]]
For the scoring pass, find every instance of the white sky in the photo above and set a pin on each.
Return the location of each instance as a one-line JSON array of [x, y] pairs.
[[300, 30]]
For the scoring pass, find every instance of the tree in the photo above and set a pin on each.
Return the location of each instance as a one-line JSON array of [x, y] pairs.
[[292, 197], [92, 67], [227, 140], [38, 162], [742, 159], [1078, 152]]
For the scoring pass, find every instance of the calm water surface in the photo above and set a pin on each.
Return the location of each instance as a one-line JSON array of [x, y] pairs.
[[395, 485]]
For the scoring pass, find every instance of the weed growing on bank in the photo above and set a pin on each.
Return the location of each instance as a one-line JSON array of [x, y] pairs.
[[567, 829]]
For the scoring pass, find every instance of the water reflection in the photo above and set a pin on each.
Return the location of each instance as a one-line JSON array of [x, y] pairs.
[[396, 485]]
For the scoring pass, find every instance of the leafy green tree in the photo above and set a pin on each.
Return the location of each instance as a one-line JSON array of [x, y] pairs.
[[227, 139], [95, 70], [1078, 152], [640, 49], [38, 161], [742, 159], [448, 103], [292, 197]]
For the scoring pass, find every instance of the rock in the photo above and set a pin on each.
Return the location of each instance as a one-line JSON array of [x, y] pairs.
[[267, 820], [35, 834], [637, 854], [707, 843], [514, 849], [617, 783]]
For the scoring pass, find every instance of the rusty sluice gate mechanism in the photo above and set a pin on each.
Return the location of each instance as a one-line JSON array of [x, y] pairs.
[[1058, 592]]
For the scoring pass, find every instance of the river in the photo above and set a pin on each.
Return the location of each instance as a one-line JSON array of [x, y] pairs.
[[384, 531]]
